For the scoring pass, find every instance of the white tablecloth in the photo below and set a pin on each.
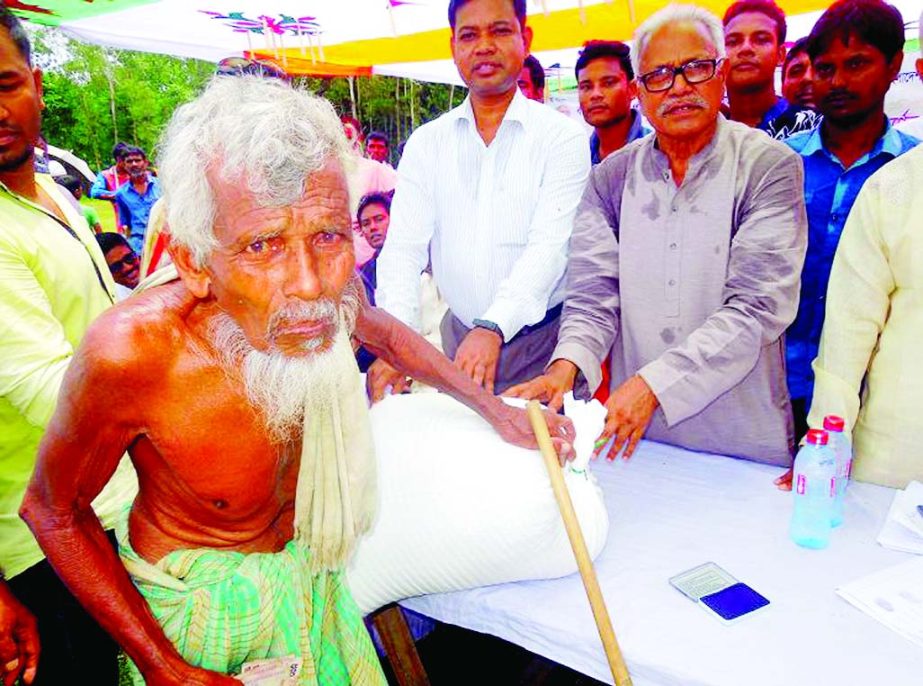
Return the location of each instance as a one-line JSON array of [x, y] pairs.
[[671, 510]]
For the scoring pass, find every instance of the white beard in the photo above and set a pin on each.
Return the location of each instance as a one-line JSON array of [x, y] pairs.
[[283, 387]]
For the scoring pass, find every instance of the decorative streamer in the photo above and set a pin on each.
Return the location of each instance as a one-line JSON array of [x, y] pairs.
[[391, 19]]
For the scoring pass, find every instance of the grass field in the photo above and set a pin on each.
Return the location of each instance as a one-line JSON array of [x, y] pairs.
[[104, 210]]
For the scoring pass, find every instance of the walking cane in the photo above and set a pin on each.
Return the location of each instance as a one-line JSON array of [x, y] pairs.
[[578, 545]]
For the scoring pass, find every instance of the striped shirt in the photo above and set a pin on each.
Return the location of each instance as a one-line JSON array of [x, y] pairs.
[[495, 218]]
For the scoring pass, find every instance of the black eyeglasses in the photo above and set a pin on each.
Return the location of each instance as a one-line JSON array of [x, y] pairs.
[[694, 71], [238, 66], [126, 263]]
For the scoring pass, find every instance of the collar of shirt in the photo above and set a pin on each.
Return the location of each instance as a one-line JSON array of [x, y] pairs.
[[662, 164], [128, 187], [635, 131], [71, 226], [774, 112], [890, 143], [518, 111]]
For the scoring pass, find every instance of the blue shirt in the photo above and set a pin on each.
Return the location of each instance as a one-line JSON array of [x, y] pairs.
[[829, 194], [784, 120], [636, 130], [134, 210]]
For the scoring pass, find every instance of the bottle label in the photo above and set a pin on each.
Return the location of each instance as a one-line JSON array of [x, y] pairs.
[[801, 483]]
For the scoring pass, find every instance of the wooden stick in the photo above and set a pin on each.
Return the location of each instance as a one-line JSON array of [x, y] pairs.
[[578, 544], [399, 647]]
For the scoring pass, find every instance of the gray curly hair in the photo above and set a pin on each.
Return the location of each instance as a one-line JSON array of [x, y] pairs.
[[262, 130]]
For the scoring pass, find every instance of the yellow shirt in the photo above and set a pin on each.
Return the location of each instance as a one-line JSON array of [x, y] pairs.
[[874, 327], [53, 283]]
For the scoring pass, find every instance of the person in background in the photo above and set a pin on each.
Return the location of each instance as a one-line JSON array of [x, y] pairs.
[[136, 198], [684, 262], [374, 216], [124, 263], [754, 37], [72, 184], [606, 88], [489, 190], [866, 369], [914, 127], [108, 181], [378, 148], [532, 79], [798, 75], [53, 283], [352, 129], [856, 52]]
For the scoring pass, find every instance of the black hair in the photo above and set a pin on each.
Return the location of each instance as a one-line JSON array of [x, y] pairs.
[[378, 136], [108, 240], [132, 150], [765, 7], [69, 181], [519, 7], [597, 49], [871, 21], [536, 71], [799, 47], [17, 33], [377, 198], [118, 150]]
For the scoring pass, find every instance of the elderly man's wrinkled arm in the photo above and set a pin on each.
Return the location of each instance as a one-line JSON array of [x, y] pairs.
[[77, 457]]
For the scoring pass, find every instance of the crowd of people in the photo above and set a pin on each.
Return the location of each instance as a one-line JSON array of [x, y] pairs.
[[184, 474]]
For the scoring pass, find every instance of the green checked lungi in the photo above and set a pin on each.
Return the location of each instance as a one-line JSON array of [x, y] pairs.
[[222, 609]]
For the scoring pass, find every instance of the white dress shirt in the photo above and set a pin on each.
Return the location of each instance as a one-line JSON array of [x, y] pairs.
[[496, 218]]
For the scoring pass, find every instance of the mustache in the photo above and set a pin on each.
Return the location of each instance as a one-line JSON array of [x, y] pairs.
[[840, 94], [323, 310], [694, 100]]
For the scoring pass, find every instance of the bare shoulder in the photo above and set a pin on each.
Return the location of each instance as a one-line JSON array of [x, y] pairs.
[[139, 338]]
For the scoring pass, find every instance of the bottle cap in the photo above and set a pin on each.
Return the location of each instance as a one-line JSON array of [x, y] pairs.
[[834, 423], [818, 437]]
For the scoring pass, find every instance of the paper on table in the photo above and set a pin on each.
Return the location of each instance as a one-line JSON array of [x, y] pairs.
[[903, 528], [893, 596]]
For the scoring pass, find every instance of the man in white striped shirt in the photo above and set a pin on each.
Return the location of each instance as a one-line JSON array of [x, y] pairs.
[[489, 190]]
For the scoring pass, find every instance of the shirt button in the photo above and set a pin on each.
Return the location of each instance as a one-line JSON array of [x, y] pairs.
[[672, 246], [672, 282], [666, 176], [673, 209]]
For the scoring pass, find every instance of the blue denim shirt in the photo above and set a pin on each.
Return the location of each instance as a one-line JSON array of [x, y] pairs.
[[829, 194], [134, 210]]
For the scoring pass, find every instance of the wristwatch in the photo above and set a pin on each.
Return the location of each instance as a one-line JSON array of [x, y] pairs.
[[489, 325]]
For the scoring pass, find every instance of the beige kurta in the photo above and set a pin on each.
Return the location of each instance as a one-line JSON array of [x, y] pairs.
[[874, 327]]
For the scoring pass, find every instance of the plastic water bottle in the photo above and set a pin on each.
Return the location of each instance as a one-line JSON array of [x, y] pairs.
[[842, 449], [814, 489]]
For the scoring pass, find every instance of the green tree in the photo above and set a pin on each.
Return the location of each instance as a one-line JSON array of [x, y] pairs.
[[98, 96]]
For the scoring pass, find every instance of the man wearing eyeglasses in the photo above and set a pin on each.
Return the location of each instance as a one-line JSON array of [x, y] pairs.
[[685, 261], [124, 263]]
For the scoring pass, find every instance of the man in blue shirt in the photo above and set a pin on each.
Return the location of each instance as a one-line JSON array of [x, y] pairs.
[[754, 38], [135, 199], [606, 87], [856, 52]]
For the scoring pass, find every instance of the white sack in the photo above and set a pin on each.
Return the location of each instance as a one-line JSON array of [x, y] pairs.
[[460, 508]]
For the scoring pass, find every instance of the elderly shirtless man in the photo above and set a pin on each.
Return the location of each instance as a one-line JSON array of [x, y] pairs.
[[236, 394]]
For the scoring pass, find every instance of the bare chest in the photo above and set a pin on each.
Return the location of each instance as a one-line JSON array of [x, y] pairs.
[[204, 441]]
